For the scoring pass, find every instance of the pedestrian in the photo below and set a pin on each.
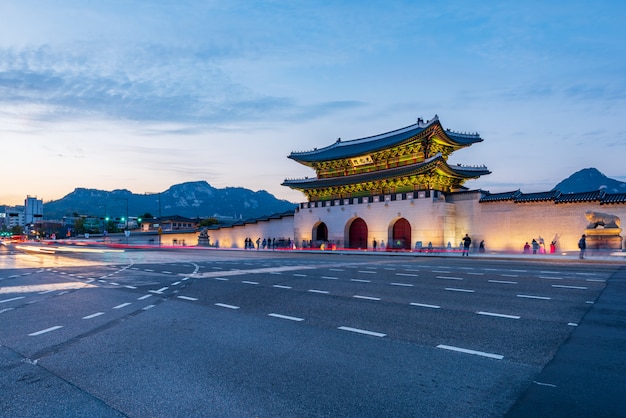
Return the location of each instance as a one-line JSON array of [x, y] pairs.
[[264, 243], [582, 244], [258, 243], [552, 247], [481, 247], [467, 241], [535, 246], [526, 248], [374, 244]]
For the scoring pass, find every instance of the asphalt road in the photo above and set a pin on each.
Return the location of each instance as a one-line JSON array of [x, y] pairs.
[[267, 334]]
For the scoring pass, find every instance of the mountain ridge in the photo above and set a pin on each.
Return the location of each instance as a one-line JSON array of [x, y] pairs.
[[196, 199]]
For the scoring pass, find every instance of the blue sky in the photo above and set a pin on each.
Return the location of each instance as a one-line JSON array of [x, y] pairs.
[[141, 95]]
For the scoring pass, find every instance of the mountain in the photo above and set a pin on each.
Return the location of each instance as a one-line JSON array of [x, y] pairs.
[[590, 179], [191, 200]]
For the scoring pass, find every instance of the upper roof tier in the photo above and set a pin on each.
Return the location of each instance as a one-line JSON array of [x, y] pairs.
[[361, 146]]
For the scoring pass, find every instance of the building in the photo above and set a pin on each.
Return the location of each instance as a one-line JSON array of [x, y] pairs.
[[33, 210], [397, 191]]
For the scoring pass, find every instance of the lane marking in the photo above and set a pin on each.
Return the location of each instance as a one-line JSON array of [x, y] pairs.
[[187, 298], [299, 275], [449, 278], [562, 286], [440, 271], [454, 289], [595, 280], [130, 287], [249, 282], [43, 331], [544, 384], [223, 279], [144, 297], [502, 281], [290, 318], [148, 270], [123, 305], [533, 297], [166, 272], [366, 271], [362, 331], [324, 292], [12, 299], [468, 351], [224, 305], [499, 315], [509, 275], [572, 324], [160, 290], [330, 278], [148, 307], [360, 280], [550, 278], [6, 310], [475, 274], [93, 315], [280, 286], [336, 269], [401, 284], [425, 305], [407, 274], [175, 284], [365, 297]]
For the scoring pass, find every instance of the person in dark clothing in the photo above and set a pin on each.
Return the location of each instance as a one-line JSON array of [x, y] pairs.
[[582, 245], [467, 241]]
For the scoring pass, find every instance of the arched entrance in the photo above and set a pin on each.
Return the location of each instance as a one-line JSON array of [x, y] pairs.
[[401, 235], [320, 232], [357, 234]]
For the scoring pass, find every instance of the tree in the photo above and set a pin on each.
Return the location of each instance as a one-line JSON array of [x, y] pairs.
[[208, 222]]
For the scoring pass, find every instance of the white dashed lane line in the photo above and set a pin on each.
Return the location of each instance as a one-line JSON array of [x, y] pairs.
[[144, 297], [498, 315], [468, 351], [425, 305], [12, 299], [94, 315], [533, 297], [365, 297], [330, 278], [362, 331], [187, 298], [502, 281], [407, 274], [401, 284], [280, 286], [560, 286], [224, 305], [360, 280], [43, 331], [290, 318], [455, 289], [449, 278], [123, 305], [324, 292]]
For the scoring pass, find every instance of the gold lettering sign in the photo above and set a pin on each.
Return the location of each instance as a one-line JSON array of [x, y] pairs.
[[362, 160]]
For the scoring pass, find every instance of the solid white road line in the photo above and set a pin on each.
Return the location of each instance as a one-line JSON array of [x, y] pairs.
[[291, 318], [498, 315], [223, 305], [43, 331], [425, 305], [123, 305], [467, 351], [93, 315], [363, 331]]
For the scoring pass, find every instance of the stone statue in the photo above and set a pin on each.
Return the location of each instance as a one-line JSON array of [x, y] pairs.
[[601, 219]]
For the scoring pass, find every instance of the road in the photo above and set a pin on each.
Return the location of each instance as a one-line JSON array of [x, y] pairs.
[[235, 333]]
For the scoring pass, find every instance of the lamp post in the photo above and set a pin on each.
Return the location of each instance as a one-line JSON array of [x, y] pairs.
[[126, 232]]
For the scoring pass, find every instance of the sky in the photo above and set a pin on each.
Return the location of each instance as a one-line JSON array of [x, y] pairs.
[[146, 94]]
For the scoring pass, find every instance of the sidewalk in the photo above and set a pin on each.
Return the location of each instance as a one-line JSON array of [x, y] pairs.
[[587, 376]]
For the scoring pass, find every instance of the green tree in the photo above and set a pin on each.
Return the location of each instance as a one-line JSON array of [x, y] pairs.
[[208, 222]]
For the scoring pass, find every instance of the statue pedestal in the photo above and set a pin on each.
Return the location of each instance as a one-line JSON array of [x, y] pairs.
[[603, 239], [204, 239]]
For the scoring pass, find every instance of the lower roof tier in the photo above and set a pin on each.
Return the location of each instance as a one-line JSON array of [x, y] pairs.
[[434, 173]]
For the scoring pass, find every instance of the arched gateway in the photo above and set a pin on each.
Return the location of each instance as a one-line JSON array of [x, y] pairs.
[[320, 233], [401, 235], [357, 234]]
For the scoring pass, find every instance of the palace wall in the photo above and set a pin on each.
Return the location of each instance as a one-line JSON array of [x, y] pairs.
[[434, 217]]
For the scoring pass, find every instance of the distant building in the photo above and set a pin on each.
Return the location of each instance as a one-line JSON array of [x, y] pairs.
[[33, 210]]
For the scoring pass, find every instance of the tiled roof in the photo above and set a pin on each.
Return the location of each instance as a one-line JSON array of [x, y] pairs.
[[500, 197], [537, 197], [592, 196], [613, 198], [556, 196], [361, 146]]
